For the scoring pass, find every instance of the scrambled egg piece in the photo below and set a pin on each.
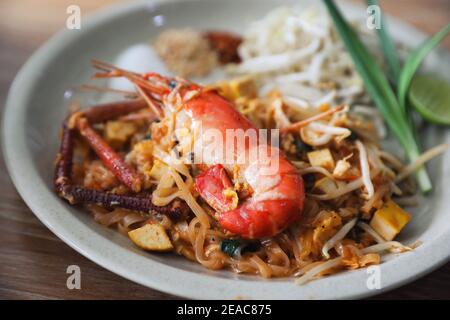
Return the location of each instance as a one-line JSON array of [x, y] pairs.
[[237, 88], [118, 132], [231, 194], [142, 157]]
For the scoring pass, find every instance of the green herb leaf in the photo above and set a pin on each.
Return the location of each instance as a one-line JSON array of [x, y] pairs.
[[353, 136], [390, 54], [235, 248], [230, 246], [414, 61], [148, 136], [301, 147]]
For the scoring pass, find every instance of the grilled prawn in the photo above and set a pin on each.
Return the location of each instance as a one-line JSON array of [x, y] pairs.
[[265, 195]]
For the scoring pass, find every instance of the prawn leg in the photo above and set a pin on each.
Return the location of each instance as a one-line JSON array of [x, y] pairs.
[[76, 194], [64, 162], [124, 173], [113, 110], [109, 157]]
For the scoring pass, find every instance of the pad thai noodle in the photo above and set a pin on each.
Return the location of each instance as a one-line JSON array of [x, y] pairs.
[[321, 196]]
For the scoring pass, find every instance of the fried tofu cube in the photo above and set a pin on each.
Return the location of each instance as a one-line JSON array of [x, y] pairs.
[[232, 195], [326, 185], [321, 158], [389, 220], [151, 237]]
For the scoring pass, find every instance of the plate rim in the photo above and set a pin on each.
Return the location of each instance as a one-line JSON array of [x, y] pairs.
[[24, 78]]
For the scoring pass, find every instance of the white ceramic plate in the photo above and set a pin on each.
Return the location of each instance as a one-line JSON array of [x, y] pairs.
[[34, 112]]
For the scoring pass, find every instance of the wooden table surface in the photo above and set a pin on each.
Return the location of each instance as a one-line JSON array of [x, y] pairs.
[[33, 261]]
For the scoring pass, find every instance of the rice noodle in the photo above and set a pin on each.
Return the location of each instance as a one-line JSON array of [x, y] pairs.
[[336, 262], [365, 171], [326, 99], [293, 77], [186, 195], [300, 57], [280, 117], [377, 198], [337, 237], [395, 189], [276, 62], [313, 139], [349, 187], [371, 231], [392, 246], [293, 49], [407, 201], [375, 161], [391, 159], [421, 160], [172, 161], [312, 119], [295, 102], [375, 116], [315, 169], [123, 220], [320, 127], [310, 274]]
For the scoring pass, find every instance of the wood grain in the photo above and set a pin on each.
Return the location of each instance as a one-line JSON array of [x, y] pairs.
[[33, 261]]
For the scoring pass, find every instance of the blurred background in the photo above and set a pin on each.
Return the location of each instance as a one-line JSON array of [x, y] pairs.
[[33, 261]]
